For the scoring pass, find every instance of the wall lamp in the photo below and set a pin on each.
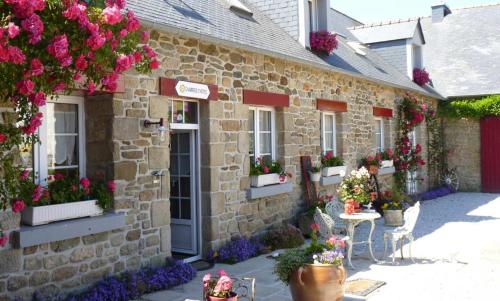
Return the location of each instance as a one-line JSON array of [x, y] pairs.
[[161, 127]]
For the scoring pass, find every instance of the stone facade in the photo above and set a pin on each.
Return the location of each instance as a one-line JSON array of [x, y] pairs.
[[463, 139], [119, 144]]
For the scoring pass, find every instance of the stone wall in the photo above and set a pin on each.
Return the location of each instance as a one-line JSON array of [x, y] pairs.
[[463, 139]]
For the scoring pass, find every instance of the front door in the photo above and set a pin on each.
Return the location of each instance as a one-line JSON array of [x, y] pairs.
[[490, 154], [183, 191]]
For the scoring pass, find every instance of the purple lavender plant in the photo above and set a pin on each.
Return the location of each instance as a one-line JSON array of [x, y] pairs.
[[238, 250]]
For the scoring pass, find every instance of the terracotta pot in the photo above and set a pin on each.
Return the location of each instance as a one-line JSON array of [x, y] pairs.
[[318, 282], [373, 169], [234, 297], [349, 208]]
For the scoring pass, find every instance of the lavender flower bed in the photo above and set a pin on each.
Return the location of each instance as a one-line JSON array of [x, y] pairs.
[[132, 285], [237, 250], [436, 193]]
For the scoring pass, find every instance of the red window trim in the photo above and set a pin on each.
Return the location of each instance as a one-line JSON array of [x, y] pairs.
[[331, 105], [167, 88], [252, 97], [382, 112]]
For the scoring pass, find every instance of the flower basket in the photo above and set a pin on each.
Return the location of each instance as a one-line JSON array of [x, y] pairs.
[[387, 163], [393, 218], [315, 176], [264, 180], [41, 215], [332, 171]]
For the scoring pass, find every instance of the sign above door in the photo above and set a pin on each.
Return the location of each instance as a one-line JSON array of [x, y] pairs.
[[173, 87]]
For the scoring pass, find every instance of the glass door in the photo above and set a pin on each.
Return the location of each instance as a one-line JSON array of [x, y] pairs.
[[183, 192]]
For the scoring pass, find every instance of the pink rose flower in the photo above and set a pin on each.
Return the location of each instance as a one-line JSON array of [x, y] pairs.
[[16, 56], [25, 87], [24, 175], [85, 183], [122, 63], [110, 82], [60, 86], [111, 186], [77, 76], [38, 99], [81, 63], [3, 138], [34, 27], [137, 56], [111, 15], [132, 23], [58, 176], [37, 194], [119, 3], [4, 239], [12, 30], [34, 124], [36, 67], [144, 37], [123, 33], [154, 64], [18, 206], [149, 52], [265, 169], [91, 87], [96, 41]]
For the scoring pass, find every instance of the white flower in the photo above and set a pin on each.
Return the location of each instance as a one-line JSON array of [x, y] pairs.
[[353, 173], [359, 176]]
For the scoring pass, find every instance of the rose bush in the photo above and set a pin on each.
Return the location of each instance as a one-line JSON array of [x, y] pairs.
[[49, 47]]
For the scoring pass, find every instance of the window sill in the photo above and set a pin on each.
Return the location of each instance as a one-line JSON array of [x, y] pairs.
[[262, 192], [31, 236], [386, 171], [330, 180]]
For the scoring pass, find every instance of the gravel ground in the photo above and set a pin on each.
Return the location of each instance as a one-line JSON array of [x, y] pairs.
[[456, 252]]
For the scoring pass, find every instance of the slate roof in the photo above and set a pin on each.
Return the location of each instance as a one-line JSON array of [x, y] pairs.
[[383, 32], [213, 20], [462, 53]]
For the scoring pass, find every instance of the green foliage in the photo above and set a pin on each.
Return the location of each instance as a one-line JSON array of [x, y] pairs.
[[328, 160], [262, 167], [283, 237], [290, 261], [471, 108], [355, 187]]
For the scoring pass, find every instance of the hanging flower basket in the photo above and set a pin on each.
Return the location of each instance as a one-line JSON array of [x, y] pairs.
[[323, 41], [421, 76]]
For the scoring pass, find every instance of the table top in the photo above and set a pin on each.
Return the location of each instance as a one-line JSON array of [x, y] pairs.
[[360, 216]]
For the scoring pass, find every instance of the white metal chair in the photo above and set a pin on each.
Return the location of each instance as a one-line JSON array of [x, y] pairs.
[[403, 232], [334, 209], [326, 225]]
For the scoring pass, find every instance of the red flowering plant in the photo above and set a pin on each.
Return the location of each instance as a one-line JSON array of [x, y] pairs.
[[264, 167], [329, 160], [408, 157], [64, 189], [372, 160], [323, 41], [50, 47], [219, 287], [421, 76], [387, 154]]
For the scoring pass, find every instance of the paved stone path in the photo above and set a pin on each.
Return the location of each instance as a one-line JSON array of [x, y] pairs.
[[457, 254]]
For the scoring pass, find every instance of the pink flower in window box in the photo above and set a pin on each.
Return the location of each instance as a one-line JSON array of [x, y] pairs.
[[421, 76], [323, 41]]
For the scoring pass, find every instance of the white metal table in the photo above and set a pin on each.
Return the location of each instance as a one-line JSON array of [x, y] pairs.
[[351, 221]]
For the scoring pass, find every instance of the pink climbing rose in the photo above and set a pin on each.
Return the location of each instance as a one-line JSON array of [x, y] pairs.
[[111, 15], [18, 206]]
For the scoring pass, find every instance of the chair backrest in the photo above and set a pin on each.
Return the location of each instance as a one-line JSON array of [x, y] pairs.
[[325, 223], [410, 217], [334, 209]]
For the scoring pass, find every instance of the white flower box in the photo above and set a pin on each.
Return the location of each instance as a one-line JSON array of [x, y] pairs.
[[387, 163], [333, 171], [264, 180], [41, 215], [315, 176]]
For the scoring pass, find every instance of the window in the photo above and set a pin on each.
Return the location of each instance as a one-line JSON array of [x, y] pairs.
[[62, 140], [379, 135], [329, 133], [183, 112], [311, 8], [261, 134]]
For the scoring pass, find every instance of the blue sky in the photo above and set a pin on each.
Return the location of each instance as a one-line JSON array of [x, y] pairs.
[[368, 11]]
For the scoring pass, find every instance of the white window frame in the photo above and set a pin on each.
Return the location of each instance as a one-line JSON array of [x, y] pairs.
[[382, 135], [334, 132], [314, 17], [256, 131], [40, 164]]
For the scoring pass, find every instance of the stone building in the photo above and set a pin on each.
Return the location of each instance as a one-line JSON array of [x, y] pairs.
[[232, 86]]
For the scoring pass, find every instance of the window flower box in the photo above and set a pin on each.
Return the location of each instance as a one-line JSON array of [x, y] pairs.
[[41, 215], [265, 180], [335, 170], [387, 163]]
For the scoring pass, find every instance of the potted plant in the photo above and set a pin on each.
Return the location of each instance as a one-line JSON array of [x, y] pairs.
[[386, 158], [353, 190], [64, 198], [218, 288], [314, 273], [315, 173], [392, 208], [323, 41], [372, 163], [332, 165], [266, 173]]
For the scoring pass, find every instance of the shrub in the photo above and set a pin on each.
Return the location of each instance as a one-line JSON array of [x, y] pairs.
[[237, 250], [283, 237], [471, 108]]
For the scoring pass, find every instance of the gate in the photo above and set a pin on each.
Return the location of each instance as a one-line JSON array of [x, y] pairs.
[[490, 154]]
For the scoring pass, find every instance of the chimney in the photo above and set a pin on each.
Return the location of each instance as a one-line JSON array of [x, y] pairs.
[[439, 11]]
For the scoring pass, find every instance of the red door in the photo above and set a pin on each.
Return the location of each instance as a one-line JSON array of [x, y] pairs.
[[490, 154]]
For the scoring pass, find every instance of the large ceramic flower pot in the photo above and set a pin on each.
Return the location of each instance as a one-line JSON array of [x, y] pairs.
[[318, 282], [393, 218], [234, 297]]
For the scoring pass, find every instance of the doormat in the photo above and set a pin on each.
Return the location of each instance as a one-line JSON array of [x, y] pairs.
[[202, 265], [362, 287]]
